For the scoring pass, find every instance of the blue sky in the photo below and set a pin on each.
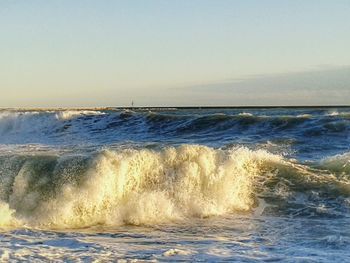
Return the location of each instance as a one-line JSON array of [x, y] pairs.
[[107, 53]]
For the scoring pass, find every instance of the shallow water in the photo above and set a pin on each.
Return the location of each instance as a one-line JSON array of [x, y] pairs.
[[201, 185], [234, 238]]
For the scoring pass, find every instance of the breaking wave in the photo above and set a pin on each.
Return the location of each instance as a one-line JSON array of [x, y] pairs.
[[70, 114], [76, 126], [132, 186], [339, 164]]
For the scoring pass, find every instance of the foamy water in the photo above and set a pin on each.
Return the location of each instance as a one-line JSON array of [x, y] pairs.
[[207, 185]]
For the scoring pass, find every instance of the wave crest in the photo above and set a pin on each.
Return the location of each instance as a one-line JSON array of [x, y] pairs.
[[71, 114], [148, 187], [80, 126]]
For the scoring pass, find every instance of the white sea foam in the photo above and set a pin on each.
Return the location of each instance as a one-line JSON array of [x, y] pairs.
[[70, 114], [246, 114], [143, 186], [6, 216], [337, 113], [306, 116], [339, 163], [18, 122], [174, 252], [136, 187]]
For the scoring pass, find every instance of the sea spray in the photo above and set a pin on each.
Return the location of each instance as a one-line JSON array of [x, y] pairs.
[[6, 215], [174, 184], [132, 186]]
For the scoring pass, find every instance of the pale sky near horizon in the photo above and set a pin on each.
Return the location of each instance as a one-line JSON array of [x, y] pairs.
[[174, 53]]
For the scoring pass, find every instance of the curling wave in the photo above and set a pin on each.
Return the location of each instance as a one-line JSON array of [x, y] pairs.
[[110, 126], [147, 187]]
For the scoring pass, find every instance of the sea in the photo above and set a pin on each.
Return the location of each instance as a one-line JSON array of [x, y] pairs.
[[175, 185]]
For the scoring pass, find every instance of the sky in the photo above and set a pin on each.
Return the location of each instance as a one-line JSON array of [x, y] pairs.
[[83, 53]]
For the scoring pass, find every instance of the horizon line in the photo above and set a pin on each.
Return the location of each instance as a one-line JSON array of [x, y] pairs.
[[174, 107]]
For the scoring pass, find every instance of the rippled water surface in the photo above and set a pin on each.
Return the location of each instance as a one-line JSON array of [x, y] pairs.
[[175, 185]]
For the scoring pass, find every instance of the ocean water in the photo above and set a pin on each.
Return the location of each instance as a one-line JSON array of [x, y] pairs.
[[244, 185]]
